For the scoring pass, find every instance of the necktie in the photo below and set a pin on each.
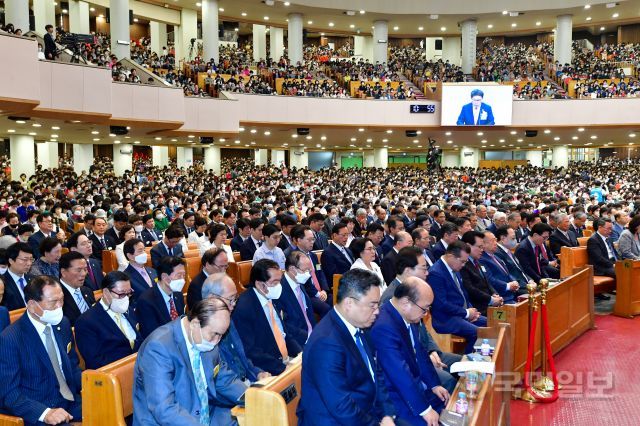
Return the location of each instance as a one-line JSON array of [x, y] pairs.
[[154, 235], [146, 276], [413, 342], [314, 278], [363, 352], [82, 304], [259, 243], [498, 262], [300, 298], [170, 251], [55, 363], [201, 388], [613, 251], [22, 283], [172, 309], [102, 243], [92, 277], [121, 327], [347, 255], [457, 281], [277, 334], [537, 254]]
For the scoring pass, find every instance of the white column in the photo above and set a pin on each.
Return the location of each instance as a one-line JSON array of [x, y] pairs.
[[259, 42], [381, 158], [210, 41], [261, 157], [122, 158], [188, 30], [177, 43], [450, 159], [380, 41], [160, 156], [184, 156], [44, 13], [294, 38], [212, 159], [158, 31], [469, 157], [298, 158], [469, 33], [534, 158], [430, 48], [119, 24], [22, 155], [276, 43], [47, 153], [562, 39], [560, 156], [17, 13], [277, 157], [83, 157], [78, 17], [451, 50], [369, 159], [363, 47]]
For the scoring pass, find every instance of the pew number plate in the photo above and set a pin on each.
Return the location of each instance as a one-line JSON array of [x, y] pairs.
[[499, 315], [289, 393]]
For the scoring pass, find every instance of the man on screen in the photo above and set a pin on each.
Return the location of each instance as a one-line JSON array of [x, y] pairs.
[[476, 113]]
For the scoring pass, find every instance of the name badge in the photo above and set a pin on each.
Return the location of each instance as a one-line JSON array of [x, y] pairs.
[[483, 115], [69, 347], [482, 267], [318, 267]]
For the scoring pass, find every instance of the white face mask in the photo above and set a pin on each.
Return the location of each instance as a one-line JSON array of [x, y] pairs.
[[303, 277], [119, 306], [138, 228], [3, 269], [141, 258], [51, 317], [159, 216], [274, 292], [176, 285], [205, 345]]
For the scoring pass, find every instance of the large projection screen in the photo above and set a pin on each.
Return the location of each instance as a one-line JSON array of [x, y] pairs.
[[476, 104]]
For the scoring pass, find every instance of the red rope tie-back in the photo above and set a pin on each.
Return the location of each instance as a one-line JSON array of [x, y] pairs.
[[527, 367]]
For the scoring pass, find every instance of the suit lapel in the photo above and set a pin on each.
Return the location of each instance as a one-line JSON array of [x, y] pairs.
[[30, 337], [349, 343]]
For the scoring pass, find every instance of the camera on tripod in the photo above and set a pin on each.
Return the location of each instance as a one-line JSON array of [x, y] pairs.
[[73, 42]]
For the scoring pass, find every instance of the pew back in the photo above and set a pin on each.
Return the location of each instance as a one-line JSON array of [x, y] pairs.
[[275, 403]]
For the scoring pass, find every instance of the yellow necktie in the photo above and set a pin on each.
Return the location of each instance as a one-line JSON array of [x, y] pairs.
[[282, 346], [120, 326]]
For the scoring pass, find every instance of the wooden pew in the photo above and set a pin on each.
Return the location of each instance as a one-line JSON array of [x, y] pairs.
[[6, 420], [446, 342], [336, 284], [318, 254], [236, 256], [492, 405], [571, 313], [574, 259], [587, 232], [273, 404], [582, 241], [107, 393], [109, 261], [240, 273], [627, 288]]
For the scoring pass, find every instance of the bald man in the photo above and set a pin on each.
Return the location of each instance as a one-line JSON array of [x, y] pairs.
[[412, 380]]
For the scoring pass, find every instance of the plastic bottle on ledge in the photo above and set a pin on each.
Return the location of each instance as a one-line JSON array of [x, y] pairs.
[[485, 348], [462, 405]]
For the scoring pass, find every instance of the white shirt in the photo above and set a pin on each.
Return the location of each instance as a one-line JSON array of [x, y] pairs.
[[352, 331], [342, 250], [294, 287], [610, 254], [265, 308], [192, 354], [455, 279], [476, 114], [72, 291], [129, 332], [16, 278], [359, 264], [123, 262]]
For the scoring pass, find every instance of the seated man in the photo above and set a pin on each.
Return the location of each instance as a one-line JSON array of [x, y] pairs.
[[39, 372], [80, 242], [141, 277], [254, 241], [163, 302], [232, 352], [452, 313], [506, 242], [448, 235], [337, 258], [169, 246], [264, 335], [496, 271], [150, 234], [243, 232], [401, 240], [529, 252], [562, 236], [412, 380], [269, 248], [106, 332], [100, 240], [342, 383], [45, 225], [214, 261], [77, 298], [20, 258], [602, 254], [178, 376]]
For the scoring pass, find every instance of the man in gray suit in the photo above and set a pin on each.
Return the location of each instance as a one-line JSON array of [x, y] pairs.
[[179, 379]]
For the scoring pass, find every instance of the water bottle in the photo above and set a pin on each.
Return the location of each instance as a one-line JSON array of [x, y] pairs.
[[485, 349], [471, 382], [462, 405]]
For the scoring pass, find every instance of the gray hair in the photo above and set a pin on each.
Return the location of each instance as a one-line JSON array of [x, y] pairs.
[[580, 215], [214, 284], [499, 216]]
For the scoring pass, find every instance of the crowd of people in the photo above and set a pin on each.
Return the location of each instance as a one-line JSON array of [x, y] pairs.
[[538, 90], [313, 88], [513, 62], [594, 89]]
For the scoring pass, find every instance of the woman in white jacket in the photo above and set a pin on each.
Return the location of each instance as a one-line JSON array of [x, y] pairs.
[[216, 233], [365, 252]]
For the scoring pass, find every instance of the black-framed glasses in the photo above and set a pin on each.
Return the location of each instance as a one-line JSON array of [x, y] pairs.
[[230, 300], [122, 295], [424, 310]]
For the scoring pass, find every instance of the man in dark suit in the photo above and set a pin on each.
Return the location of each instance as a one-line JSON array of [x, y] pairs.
[[394, 225], [45, 229], [481, 292], [254, 241], [163, 302], [341, 380], [80, 243], [602, 254], [522, 232], [375, 233], [337, 259], [529, 252], [120, 219], [106, 332], [286, 224], [141, 277], [562, 236], [316, 223], [506, 242], [577, 226], [452, 312], [243, 232], [476, 112], [214, 261], [188, 225], [415, 390], [497, 272], [77, 298], [50, 49], [40, 379], [402, 239], [421, 239], [294, 302], [439, 218], [100, 240], [20, 258], [331, 220], [169, 246], [230, 223], [150, 234], [264, 334], [448, 235]]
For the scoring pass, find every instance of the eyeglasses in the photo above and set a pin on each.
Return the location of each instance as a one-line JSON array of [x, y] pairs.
[[372, 305], [231, 301], [25, 259], [122, 295], [223, 267], [424, 310]]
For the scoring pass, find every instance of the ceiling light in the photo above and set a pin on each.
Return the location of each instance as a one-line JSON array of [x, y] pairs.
[[241, 129], [601, 28], [396, 28], [362, 12], [389, 131], [615, 15], [36, 125], [92, 9], [244, 14], [221, 9], [353, 139], [501, 141], [309, 137], [191, 136], [236, 142], [594, 137], [480, 133], [385, 140], [96, 139], [519, 140], [295, 135], [266, 18], [11, 131], [322, 34], [222, 140], [581, 129], [490, 26], [443, 28], [135, 19], [361, 129], [369, 140], [252, 143], [34, 133], [323, 138], [547, 131], [53, 136], [504, 12], [416, 141], [587, 6], [513, 132], [136, 142], [267, 133], [574, 137], [331, 24], [198, 4], [113, 135], [449, 141], [588, 18], [352, 26], [20, 121], [158, 138], [286, 3], [483, 141], [515, 25], [309, 22], [95, 132], [420, 28], [101, 16], [55, 127], [448, 133], [632, 135], [557, 138]]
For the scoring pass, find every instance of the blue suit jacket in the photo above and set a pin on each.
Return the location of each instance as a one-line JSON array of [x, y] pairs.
[[406, 366], [152, 311], [4, 318], [322, 241], [35, 240], [527, 258], [139, 284], [28, 384], [337, 388], [497, 277], [513, 265], [164, 390], [96, 268], [438, 250], [466, 116], [159, 251], [257, 336], [233, 354], [99, 339], [194, 292], [334, 262], [147, 236], [12, 299], [236, 242], [448, 302], [248, 249], [386, 245], [287, 303]]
